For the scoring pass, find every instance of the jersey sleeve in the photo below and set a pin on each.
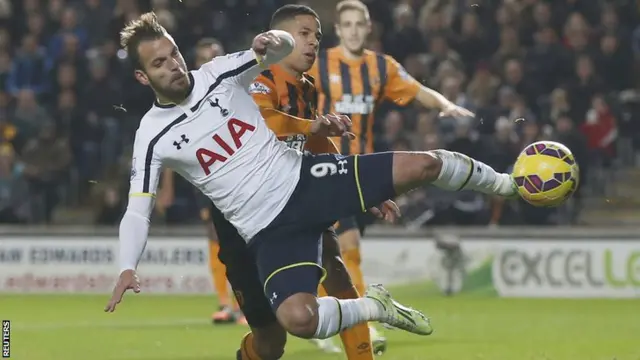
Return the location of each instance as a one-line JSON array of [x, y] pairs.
[[400, 88], [283, 124], [244, 66], [146, 168], [264, 93]]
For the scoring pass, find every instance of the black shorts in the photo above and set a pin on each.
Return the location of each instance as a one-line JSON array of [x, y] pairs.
[[242, 272], [288, 252]]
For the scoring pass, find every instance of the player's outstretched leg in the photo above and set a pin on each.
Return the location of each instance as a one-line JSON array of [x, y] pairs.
[[450, 171]]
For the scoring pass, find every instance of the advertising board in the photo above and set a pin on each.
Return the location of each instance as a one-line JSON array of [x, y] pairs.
[[179, 265], [607, 269]]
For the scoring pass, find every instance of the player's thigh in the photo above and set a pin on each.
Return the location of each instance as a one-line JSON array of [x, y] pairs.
[[333, 187], [289, 262], [242, 273], [348, 233], [413, 169]]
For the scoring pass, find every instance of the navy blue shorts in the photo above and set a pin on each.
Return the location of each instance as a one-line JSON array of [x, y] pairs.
[[242, 272], [288, 252]]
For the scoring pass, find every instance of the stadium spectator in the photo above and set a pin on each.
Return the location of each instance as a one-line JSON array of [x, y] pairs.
[[29, 116], [29, 70], [14, 195], [68, 26], [539, 60], [95, 22], [46, 159]]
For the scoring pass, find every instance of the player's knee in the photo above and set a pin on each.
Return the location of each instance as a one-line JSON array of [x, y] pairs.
[[349, 239], [428, 166], [298, 314], [269, 343], [415, 168]]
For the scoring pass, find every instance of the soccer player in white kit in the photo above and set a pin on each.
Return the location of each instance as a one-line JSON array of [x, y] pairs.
[[206, 127]]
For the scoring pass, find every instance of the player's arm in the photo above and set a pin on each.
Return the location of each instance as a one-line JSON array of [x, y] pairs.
[[321, 145], [134, 227], [244, 66], [402, 88], [284, 124], [265, 95]]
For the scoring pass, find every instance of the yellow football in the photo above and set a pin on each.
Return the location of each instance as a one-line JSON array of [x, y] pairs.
[[546, 174]]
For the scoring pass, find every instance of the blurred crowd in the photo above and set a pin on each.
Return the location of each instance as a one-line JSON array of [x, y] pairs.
[[530, 69]]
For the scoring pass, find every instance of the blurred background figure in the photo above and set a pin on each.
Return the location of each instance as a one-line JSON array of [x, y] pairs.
[[14, 193], [562, 69]]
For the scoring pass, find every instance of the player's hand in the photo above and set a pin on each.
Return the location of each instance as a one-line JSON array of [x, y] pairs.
[[454, 110], [128, 281], [388, 211], [332, 125], [263, 42]]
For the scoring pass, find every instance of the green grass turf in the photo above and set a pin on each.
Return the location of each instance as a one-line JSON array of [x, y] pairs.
[[476, 326]]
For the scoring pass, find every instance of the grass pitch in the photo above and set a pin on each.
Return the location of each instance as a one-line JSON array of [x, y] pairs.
[[474, 327]]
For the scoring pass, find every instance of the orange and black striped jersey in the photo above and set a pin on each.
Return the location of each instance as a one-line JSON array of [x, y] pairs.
[[285, 102], [355, 87]]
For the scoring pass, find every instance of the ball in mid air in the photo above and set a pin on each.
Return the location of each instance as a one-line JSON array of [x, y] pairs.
[[546, 174]]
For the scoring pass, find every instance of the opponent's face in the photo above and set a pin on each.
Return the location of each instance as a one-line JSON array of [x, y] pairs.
[[307, 32], [163, 68], [353, 28], [205, 54]]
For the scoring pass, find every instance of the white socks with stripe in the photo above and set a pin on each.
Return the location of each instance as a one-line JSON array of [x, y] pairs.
[[335, 315], [460, 172]]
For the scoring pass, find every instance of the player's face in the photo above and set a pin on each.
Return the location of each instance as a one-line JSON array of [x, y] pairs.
[[164, 68], [353, 28], [307, 32]]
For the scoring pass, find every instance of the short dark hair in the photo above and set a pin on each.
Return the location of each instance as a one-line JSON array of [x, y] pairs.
[[144, 28], [289, 12], [208, 42]]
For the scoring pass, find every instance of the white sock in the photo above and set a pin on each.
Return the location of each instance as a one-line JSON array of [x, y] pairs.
[[335, 315], [460, 172]]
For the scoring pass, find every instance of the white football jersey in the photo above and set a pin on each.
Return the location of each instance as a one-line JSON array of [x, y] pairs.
[[218, 141]]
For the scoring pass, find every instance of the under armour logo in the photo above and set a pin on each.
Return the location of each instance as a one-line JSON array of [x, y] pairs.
[[216, 104], [183, 139], [274, 296], [342, 167]]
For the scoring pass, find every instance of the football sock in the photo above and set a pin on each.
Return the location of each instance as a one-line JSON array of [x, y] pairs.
[[357, 340], [460, 172], [352, 261], [336, 315], [218, 274], [247, 350]]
